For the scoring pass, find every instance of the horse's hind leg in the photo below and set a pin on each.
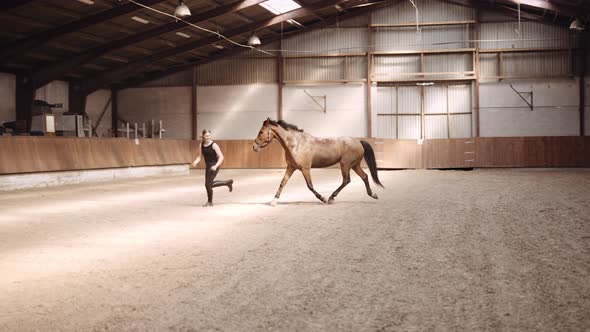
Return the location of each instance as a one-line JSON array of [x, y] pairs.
[[307, 176], [288, 172], [345, 180], [359, 170]]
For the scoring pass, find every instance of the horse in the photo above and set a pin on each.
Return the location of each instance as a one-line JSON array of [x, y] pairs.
[[304, 151]]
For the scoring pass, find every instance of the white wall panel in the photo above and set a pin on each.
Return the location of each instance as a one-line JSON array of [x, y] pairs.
[[435, 99], [460, 125], [409, 99], [7, 98], [555, 111], [236, 111], [460, 98], [233, 125], [435, 126], [409, 127], [345, 113], [96, 103]]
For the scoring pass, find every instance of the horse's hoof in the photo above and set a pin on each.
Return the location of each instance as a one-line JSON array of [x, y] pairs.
[[374, 196], [324, 200], [272, 203], [331, 201]]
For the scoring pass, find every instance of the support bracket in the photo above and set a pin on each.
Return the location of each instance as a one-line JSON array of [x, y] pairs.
[[521, 94], [315, 100]]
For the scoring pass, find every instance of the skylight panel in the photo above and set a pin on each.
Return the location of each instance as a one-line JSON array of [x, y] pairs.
[[278, 7]]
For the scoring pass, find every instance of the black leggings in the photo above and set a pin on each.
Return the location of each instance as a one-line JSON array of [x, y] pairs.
[[210, 183]]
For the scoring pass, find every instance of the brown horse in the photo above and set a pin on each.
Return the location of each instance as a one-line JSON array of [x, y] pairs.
[[303, 151]]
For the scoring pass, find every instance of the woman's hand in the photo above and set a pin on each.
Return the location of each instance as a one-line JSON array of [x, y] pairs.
[[213, 168]]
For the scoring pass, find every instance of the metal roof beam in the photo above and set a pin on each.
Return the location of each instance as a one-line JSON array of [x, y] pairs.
[[49, 73], [9, 4], [117, 73], [27, 43]]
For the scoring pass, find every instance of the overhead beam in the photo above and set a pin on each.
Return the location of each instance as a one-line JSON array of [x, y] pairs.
[[57, 70], [22, 45], [9, 4], [501, 9], [237, 50], [547, 5], [105, 78]]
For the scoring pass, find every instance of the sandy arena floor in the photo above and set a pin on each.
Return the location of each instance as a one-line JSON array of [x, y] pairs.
[[440, 250]]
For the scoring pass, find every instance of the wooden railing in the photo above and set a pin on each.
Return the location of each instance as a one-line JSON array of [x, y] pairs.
[[46, 154]]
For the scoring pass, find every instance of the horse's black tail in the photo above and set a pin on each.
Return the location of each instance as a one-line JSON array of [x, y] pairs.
[[370, 159]]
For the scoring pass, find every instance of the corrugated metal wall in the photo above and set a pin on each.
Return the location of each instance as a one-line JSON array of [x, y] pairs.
[[444, 111], [238, 71], [183, 78], [532, 35], [329, 40], [428, 38], [429, 11]]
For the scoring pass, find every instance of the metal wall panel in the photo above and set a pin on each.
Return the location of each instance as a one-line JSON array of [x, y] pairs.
[[409, 99], [532, 35], [409, 127], [329, 40], [428, 11], [488, 64], [362, 20], [460, 125], [384, 103], [536, 64], [357, 68], [427, 38], [442, 63], [386, 67], [238, 71], [435, 126], [384, 100], [183, 78], [435, 99], [320, 69], [459, 98], [386, 127]]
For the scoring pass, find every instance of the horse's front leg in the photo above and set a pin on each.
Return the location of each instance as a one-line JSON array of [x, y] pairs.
[[288, 172], [307, 175], [345, 180]]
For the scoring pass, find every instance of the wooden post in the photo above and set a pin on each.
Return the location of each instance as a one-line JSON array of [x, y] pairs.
[[195, 134], [24, 99], [114, 113], [280, 78], [477, 74], [582, 99], [369, 78]]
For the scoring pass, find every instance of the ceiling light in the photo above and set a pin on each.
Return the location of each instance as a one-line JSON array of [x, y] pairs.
[[182, 34], [254, 40], [140, 20], [88, 2], [425, 83], [577, 25], [182, 10]]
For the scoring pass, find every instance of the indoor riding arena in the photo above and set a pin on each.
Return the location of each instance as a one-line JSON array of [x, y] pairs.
[[294, 165]]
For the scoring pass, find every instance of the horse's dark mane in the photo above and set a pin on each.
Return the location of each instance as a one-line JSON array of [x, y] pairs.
[[285, 125]]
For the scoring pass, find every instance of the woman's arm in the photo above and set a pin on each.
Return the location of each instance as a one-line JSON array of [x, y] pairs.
[[219, 156]]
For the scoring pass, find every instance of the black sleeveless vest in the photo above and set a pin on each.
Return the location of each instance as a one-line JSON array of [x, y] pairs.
[[209, 154]]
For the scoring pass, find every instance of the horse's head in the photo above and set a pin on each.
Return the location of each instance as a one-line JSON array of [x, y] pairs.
[[265, 136]]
